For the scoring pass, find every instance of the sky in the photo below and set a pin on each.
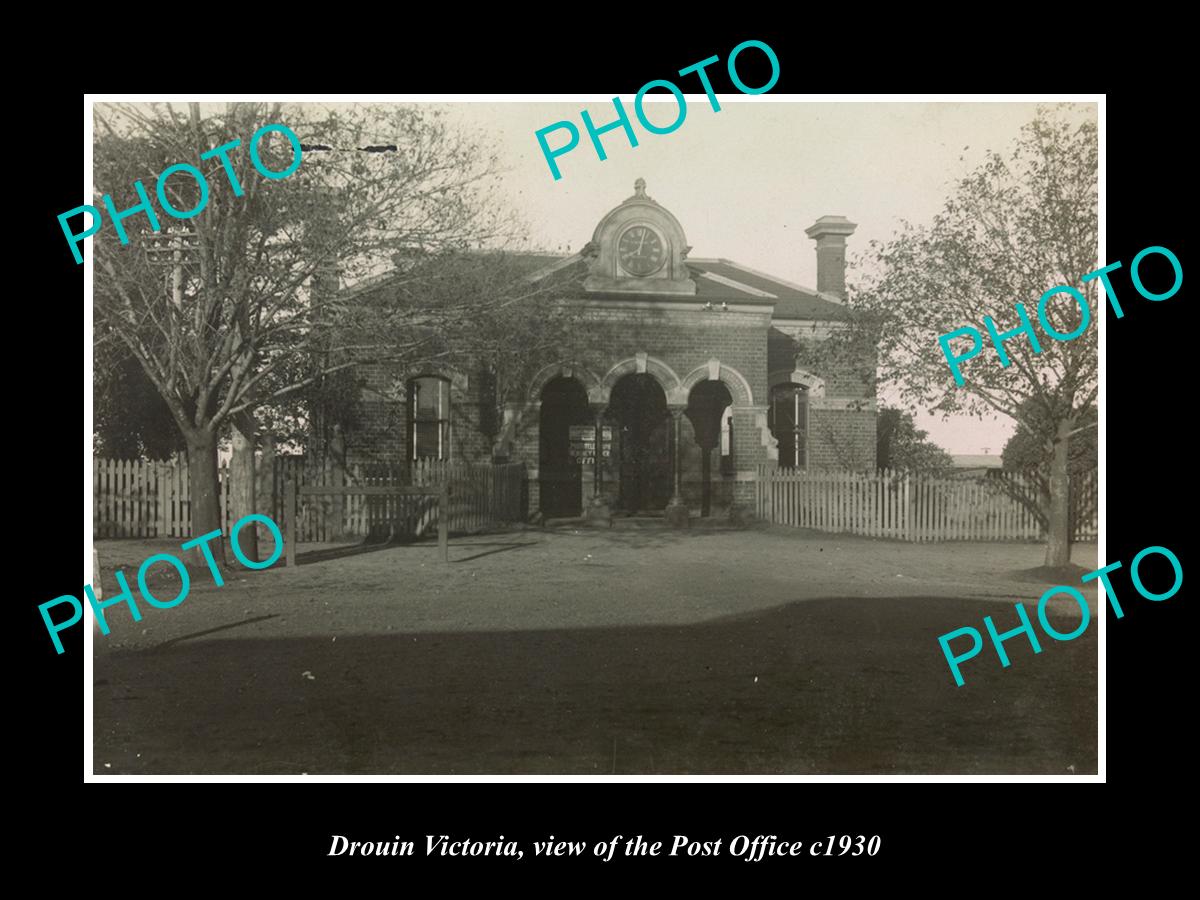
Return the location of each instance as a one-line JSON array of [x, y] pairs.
[[746, 181]]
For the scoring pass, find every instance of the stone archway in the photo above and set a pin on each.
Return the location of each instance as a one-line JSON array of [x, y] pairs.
[[714, 370], [644, 364], [565, 369]]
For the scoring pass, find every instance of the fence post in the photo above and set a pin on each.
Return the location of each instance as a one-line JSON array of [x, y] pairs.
[[337, 478], [289, 505], [443, 521], [768, 484]]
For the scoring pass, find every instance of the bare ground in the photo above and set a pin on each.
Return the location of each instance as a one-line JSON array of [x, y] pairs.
[[766, 650]]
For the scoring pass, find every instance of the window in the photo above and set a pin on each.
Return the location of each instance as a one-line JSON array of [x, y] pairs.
[[789, 424], [429, 418]]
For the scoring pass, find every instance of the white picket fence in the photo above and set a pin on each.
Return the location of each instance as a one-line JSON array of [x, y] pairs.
[[150, 498], [913, 507], [146, 498]]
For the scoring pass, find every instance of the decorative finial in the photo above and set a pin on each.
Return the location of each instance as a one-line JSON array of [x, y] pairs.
[[639, 188]]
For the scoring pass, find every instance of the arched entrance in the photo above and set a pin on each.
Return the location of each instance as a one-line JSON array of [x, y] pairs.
[[706, 408], [638, 407], [560, 476]]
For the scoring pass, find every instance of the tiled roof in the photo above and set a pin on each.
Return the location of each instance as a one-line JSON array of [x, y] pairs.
[[716, 280], [794, 301], [529, 263]]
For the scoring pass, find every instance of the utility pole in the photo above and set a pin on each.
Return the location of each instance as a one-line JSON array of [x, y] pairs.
[[174, 248]]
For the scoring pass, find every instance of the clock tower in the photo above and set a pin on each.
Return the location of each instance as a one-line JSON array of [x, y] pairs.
[[638, 248]]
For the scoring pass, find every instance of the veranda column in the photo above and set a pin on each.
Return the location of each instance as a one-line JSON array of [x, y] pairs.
[[677, 511], [597, 511]]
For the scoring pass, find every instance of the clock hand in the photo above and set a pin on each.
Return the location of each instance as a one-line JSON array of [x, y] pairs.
[[640, 243]]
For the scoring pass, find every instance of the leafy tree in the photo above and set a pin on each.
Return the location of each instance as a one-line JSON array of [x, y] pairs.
[[901, 445], [1019, 225], [130, 418], [1030, 449], [249, 316]]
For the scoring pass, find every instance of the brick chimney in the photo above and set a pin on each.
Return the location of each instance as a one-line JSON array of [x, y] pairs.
[[830, 233]]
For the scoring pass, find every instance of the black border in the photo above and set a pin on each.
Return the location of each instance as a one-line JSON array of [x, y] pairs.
[[286, 834]]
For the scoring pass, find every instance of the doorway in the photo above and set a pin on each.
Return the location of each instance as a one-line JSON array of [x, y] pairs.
[[638, 406], [560, 475], [706, 409]]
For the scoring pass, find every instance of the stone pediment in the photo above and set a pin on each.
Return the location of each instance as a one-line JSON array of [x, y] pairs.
[[639, 248]]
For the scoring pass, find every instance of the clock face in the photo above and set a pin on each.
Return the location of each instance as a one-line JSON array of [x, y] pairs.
[[641, 251]]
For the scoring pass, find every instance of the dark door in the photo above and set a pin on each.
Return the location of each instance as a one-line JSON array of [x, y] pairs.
[[638, 407], [560, 476]]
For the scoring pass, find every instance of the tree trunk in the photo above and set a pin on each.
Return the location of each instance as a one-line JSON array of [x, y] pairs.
[[265, 492], [242, 487], [1058, 538], [203, 487]]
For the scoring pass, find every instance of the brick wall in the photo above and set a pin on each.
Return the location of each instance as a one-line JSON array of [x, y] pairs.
[[682, 340], [839, 437], [840, 380], [382, 435]]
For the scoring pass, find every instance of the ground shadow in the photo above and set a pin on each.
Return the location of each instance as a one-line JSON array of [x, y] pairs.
[[837, 685], [208, 631], [308, 557], [498, 548]]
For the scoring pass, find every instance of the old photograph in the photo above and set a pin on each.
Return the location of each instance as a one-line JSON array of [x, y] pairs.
[[479, 438]]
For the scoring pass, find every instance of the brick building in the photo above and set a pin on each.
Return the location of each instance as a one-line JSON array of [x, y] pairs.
[[690, 374]]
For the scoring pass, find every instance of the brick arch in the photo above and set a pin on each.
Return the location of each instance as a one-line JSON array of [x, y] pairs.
[[659, 370], [739, 387], [585, 376]]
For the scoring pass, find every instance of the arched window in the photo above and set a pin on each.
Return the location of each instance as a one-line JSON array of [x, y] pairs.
[[429, 418], [788, 421]]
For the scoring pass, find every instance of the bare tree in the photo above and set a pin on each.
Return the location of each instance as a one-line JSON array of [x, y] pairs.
[[251, 314]]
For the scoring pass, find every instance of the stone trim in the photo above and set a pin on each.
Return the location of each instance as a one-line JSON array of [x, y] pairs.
[[767, 439], [853, 404], [458, 380], [802, 377], [807, 329], [642, 363], [715, 370], [567, 369]]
